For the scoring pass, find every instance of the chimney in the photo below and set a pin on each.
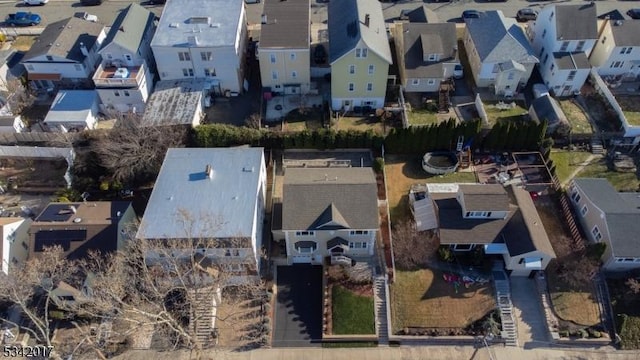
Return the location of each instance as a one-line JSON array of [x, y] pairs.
[[84, 50], [263, 19], [208, 170], [366, 20]]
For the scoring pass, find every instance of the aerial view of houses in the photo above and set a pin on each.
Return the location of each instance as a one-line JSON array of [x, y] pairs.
[[298, 178]]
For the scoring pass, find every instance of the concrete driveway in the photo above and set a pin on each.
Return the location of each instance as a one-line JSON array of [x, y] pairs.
[[531, 323], [298, 312]]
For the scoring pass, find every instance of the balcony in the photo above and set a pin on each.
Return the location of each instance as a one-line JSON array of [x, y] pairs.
[[121, 77]]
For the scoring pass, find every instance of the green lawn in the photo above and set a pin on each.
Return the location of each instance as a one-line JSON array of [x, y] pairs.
[[621, 181], [295, 121], [495, 114], [361, 124], [567, 162], [352, 314], [422, 117], [577, 118]]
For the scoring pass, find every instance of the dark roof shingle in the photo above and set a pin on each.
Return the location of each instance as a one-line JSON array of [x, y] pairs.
[[287, 24], [63, 38]]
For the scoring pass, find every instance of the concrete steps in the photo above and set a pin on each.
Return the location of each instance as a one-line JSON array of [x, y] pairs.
[[202, 317], [503, 299], [380, 303], [596, 147]]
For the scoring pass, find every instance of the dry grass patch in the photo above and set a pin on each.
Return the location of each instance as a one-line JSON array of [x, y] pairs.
[[631, 108], [423, 299], [575, 304], [361, 124], [23, 43], [577, 118]]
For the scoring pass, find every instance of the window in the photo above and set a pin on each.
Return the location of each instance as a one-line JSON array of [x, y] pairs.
[[415, 82], [576, 197], [369, 86], [25, 246], [625, 50], [433, 57], [206, 55], [359, 232], [584, 210], [305, 233], [617, 64], [116, 93], [209, 72], [227, 252], [236, 252], [510, 76], [49, 58], [184, 56], [14, 260], [128, 57], [109, 56], [431, 82], [126, 92], [352, 69], [572, 75], [358, 245], [604, 39], [546, 57], [273, 58], [185, 72], [372, 69], [361, 53], [597, 236], [553, 66], [292, 56], [541, 51], [544, 33], [78, 67], [190, 72], [294, 74], [565, 45], [476, 214], [551, 16], [305, 247], [580, 45], [352, 87], [274, 75]]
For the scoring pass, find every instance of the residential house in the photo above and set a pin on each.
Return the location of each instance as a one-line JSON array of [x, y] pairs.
[[611, 217], [426, 54], [220, 194], [328, 212], [73, 110], [359, 55], [176, 103], [617, 51], [285, 37], [9, 122], [65, 54], [124, 79], [503, 221], [15, 241], [80, 228], [547, 108], [203, 39], [10, 68], [499, 53], [563, 37], [421, 14]]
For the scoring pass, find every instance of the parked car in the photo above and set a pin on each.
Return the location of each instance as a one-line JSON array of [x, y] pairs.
[[23, 19], [35, 2], [90, 2], [458, 71], [634, 13], [540, 90], [86, 16], [526, 14], [320, 54], [471, 14]]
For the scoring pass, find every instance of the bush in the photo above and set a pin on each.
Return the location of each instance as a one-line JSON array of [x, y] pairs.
[[595, 333], [564, 333], [595, 251], [445, 254], [378, 165], [583, 334], [104, 185]]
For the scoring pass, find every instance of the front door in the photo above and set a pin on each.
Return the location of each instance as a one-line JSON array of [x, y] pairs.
[[346, 105]]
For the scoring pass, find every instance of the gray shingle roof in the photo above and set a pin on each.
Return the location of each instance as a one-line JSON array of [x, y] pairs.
[[287, 24], [211, 22], [576, 22], [525, 231], [622, 214], [347, 27], [410, 48], [497, 39], [129, 27], [547, 108], [63, 38], [218, 207], [625, 32], [308, 193], [490, 197], [173, 102], [571, 60], [423, 14]]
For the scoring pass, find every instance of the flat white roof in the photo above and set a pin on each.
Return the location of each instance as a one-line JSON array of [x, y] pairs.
[[72, 106]]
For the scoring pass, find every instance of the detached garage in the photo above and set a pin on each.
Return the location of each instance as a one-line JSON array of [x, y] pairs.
[[73, 110]]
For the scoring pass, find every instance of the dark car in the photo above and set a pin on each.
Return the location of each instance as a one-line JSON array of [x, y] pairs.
[[526, 14], [23, 19], [90, 2], [320, 54], [471, 14], [634, 13]]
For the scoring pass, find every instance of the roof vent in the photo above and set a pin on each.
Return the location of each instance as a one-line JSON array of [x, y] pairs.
[[77, 220], [367, 19], [208, 170], [174, 25]]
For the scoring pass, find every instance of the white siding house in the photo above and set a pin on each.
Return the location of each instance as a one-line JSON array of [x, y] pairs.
[[203, 39], [617, 51], [73, 110], [65, 54], [563, 37], [15, 241]]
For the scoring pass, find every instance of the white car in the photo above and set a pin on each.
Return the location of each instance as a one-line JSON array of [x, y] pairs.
[[86, 16], [35, 2], [458, 71]]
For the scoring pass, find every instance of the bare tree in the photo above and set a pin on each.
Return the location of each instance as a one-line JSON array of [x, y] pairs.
[[19, 96], [133, 152], [412, 248], [578, 270], [634, 285], [254, 121]]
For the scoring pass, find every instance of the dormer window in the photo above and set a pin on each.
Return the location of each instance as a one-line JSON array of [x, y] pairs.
[[478, 214]]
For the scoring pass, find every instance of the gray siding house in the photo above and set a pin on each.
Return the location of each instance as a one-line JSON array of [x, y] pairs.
[[611, 217]]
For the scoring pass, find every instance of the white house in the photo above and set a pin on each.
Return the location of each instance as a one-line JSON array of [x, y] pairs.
[[124, 78], [611, 217], [563, 37], [15, 241], [328, 212], [9, 122], [214, 194], [503, 221], [73, 110], [617, 51], [65, 54], [203, 39], [499, 53]]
